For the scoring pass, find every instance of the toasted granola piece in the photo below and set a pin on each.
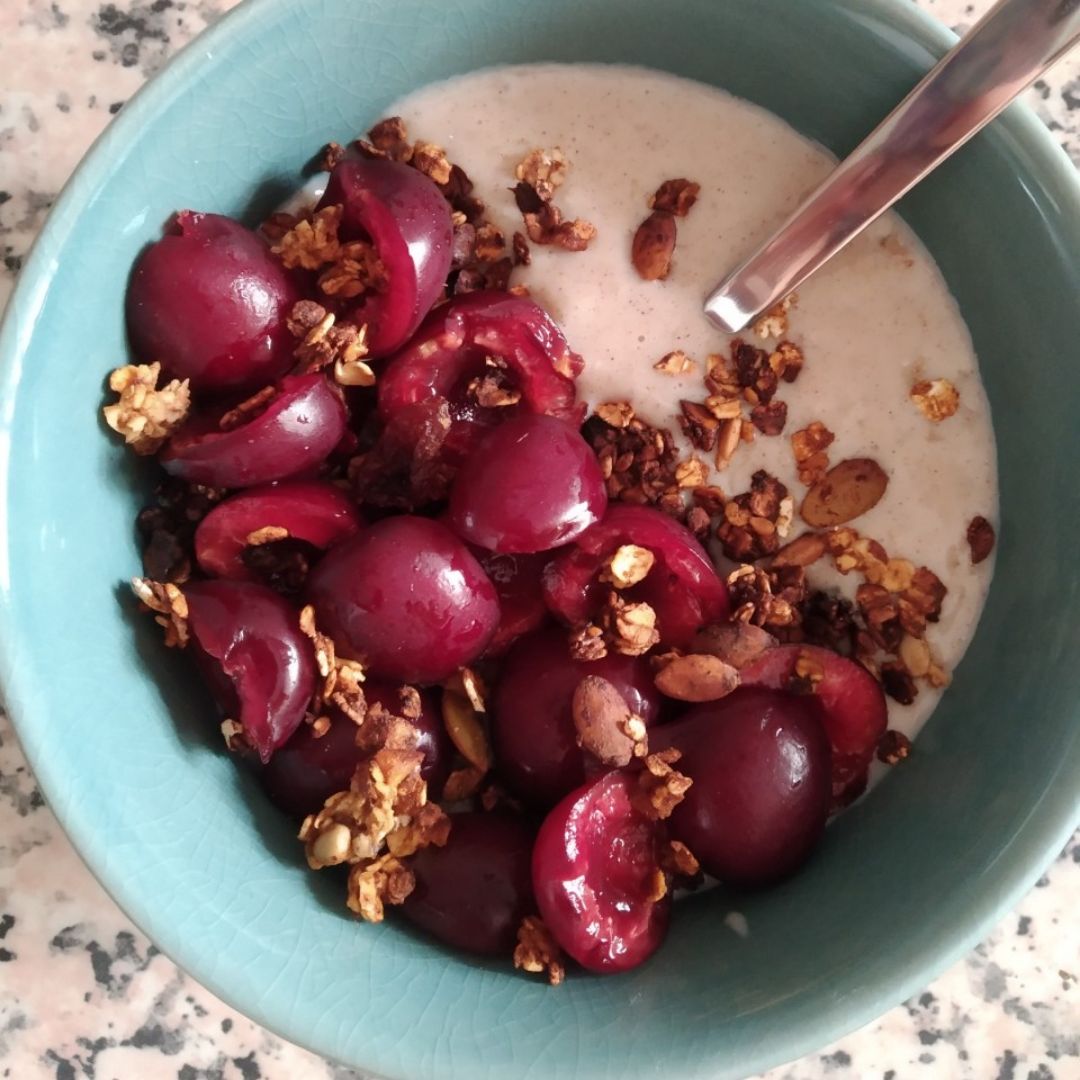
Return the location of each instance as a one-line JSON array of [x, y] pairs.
[[749, 530], [543, 170], [429, 827], [675, 196], [769, 419], [386, 792], [699, 425], [463, 784], [520, 247], [311, 243], [372, 885], [389, 138], [659, 787], [980, 538], [616, 413], [432, 161], [587, 643], [695, 677], [330, 156], [653, 246], [787, 361], [897, 682], [628, 565], [675, 363], [354, 270], [145, 415], [692, 473], [774, 322], [303, 316], [169, 606], [894, 747], [809, 446], [606, 727], [731, 433], [678, 861], [537, 952], [937, 399], [342, 678], [465, 730], [248, 409], [327, 342], [629, 628]]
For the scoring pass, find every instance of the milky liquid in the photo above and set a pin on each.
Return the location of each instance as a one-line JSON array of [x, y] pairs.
[[876, 320]]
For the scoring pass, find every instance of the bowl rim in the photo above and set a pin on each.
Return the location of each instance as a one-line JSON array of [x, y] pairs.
[[1046, 830]]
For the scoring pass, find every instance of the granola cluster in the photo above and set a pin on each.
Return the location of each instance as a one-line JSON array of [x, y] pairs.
[[654, 241], [539, 174], [145, 415]]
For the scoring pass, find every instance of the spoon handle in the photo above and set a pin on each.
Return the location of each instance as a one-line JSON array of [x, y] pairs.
[[1006, 50]]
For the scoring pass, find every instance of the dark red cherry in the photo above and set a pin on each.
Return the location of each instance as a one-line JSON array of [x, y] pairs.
[[473, 893], [317, 513], [759, 761], [209, 301], [407, 219], [517, 581], [533, 731], [295, 433], [682, 587], [407, 598], [307, 770], [855, 711], [247, 642], [595, 867], [459, 342], [532, 483]]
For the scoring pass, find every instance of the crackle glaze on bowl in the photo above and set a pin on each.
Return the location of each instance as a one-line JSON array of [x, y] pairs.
[[123, 744]]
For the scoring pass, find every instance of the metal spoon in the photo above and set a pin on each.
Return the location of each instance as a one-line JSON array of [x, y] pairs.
[[1010, 47]]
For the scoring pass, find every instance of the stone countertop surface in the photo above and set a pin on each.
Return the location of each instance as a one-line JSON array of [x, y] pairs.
[[84, 994]]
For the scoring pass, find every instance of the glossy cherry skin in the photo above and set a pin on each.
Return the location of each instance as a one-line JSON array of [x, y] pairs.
[[532, 483], [759, 760], [248, 644], [449, 351], [307, 770], [209, 301], [682, 587], [317, 513], [855, 711], [594, 864], [407, 598], [296, 432], [517, 580], [533, 731], [473, 893], [405, 216]]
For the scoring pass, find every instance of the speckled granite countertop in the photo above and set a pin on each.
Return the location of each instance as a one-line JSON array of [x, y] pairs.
[[83, 994]]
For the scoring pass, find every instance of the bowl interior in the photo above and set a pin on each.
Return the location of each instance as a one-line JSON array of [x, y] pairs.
[[127, 751]]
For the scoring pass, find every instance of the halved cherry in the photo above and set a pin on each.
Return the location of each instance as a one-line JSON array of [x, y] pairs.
[[316, 513], [484, 334], [595, 869], [532, 484], [532, 723], [517, 580], [474, 892], [260, 668], [855, 711], [209, 301], [682, 587], [296, 432], [406, 218], [406, 597], [759, 760], [308, 769]]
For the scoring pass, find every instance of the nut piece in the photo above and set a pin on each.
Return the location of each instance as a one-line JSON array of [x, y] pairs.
[[536, 950], [627, 566], [736, 644], [675, 363], [605, 726], [696, 677], [653, 246], [937, 399], [803, 551], [543, 171], [169, 606], [675, 196], [465, 730], [774, 323], [616, 413], [809, 446], [692, 473], [846, 491], [980, 538], [144, 415]]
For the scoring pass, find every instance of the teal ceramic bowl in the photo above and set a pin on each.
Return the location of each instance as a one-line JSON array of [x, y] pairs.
[[121, 741]]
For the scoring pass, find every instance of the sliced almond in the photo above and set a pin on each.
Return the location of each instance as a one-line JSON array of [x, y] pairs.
[[696, 677], [802, 551], [846, 491], [465, 730], [602, 719], [737, 644]]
